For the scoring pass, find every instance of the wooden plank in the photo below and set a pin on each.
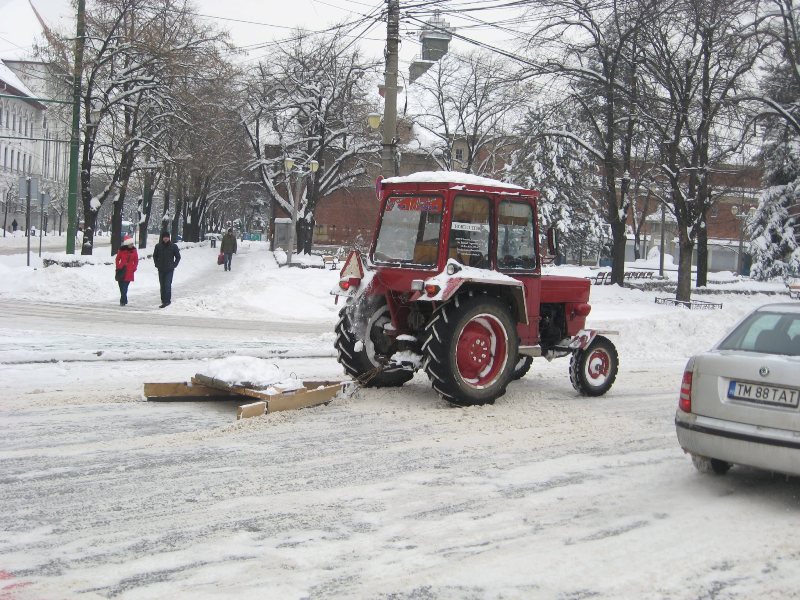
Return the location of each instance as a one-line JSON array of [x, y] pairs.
[[304, 398], [313, 393], [185, 392], [255, 409]]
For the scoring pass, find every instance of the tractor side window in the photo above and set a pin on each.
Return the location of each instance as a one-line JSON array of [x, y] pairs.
[[515, 236], [409, 231], [469, 232]]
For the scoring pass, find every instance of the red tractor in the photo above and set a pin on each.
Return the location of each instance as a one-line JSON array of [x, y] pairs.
[[453, 285]]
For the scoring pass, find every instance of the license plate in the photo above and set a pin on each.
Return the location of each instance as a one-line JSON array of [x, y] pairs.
[[763, 394]]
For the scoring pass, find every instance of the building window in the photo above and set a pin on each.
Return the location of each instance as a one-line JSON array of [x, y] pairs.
[[460, 154]]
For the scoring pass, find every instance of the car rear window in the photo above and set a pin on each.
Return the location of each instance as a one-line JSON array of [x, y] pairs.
[[767, 333]]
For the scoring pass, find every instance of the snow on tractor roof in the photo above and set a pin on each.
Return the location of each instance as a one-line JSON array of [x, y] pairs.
[[451, 177]]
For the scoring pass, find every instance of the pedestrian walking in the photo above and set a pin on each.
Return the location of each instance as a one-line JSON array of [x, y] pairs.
[[127, 260], [166, 256], [228, 247]]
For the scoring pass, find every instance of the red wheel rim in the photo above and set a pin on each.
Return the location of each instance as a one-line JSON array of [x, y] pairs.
[[598, 366], [481, 351]]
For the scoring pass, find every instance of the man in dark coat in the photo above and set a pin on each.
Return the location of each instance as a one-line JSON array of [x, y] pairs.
[[228, 247], [166, 256]]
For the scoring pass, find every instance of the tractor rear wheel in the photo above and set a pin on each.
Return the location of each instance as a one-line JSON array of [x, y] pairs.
[[470, 349], [593, 370], [364, 348]]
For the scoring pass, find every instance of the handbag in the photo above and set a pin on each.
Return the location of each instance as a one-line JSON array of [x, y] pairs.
[[120, 274], [221, 258]]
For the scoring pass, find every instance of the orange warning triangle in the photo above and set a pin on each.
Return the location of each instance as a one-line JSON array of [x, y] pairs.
[[353, 267]]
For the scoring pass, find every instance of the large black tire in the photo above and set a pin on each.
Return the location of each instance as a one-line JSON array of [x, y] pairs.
[[593, 370], [470, 349], [363, 346], [522, 367]]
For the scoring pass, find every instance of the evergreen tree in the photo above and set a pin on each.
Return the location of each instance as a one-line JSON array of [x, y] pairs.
[[565, 175], [774, 244]]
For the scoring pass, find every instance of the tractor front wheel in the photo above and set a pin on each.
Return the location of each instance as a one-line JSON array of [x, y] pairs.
[[364, 348], [522, 367], [593, 370], [470, 349]]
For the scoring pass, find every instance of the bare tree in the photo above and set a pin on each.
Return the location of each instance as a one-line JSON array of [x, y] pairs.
[[129, 44], [309, 103], [468, 104], [595, 48], [695, 60]]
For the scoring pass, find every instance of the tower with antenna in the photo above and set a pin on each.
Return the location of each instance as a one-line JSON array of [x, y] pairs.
[[435, 37]]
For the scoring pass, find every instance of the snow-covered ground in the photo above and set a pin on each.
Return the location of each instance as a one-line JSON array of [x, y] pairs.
[[384, 494]]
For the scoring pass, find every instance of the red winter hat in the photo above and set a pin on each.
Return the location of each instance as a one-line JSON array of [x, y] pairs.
[[128, 241]]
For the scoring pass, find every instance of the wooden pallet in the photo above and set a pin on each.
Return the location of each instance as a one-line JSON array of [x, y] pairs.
[[203, 388]]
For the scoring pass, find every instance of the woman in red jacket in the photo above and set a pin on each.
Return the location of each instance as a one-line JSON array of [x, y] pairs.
[[127, 261]]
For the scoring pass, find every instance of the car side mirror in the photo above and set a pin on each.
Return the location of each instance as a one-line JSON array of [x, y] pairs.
[[552, 241]]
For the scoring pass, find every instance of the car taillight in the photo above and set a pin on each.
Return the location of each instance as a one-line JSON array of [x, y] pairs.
[[685, 401], [350, 282]]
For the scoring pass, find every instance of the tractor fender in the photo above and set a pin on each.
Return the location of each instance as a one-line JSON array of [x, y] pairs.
[[582, 339], [446, 286]]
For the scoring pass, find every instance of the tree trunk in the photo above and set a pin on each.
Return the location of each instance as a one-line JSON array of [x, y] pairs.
[[116, 222], [618, 243], [684, 291], [702, 256], [145, 208], [305, 235]]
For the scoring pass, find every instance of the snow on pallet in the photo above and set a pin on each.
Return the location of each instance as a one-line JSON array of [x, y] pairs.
[[246, 379], [202, 388]]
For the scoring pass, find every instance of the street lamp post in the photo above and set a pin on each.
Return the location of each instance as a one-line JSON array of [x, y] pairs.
[[288, 165]]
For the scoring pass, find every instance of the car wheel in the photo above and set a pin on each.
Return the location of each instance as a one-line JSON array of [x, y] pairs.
[[710, 465]]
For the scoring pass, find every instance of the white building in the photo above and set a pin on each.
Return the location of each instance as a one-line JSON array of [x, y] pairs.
[[33, 141]]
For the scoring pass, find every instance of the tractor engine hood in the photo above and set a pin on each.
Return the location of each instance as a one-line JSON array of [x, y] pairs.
[[558, 289]]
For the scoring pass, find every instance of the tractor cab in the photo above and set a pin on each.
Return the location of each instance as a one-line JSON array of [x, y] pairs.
[[423, 225]]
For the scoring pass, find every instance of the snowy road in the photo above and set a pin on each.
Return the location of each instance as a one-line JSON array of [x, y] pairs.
[[386, 494], [390, 493], [47, 332]]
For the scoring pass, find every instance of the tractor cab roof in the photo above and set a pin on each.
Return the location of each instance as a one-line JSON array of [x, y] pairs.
[[452, 180]]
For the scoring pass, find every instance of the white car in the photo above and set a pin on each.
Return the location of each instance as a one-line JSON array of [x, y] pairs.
[[739, 401]]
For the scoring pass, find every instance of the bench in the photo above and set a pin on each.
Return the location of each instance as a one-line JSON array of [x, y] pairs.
[[604, 278], [794, 289], [331, 262]]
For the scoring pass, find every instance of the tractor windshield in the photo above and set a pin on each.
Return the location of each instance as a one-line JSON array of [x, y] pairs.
[[410, 230]]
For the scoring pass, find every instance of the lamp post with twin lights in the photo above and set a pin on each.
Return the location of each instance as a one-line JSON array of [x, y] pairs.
[[294, 197]]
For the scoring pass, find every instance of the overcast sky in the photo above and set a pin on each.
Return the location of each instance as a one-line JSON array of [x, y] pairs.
[[19, 28], [271, 19]]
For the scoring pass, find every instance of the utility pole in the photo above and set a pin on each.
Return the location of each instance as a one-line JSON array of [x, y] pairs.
[[389, 166], [74, 144]]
